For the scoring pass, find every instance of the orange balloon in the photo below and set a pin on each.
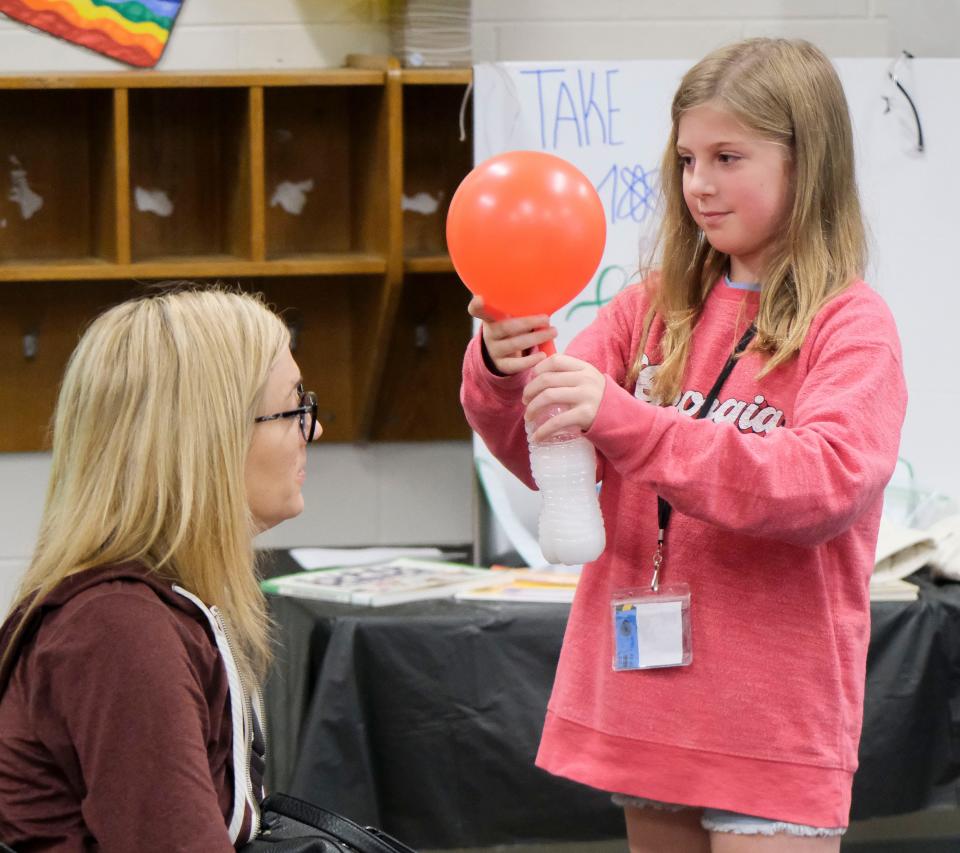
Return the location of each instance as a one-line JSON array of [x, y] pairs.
[[526, 231]]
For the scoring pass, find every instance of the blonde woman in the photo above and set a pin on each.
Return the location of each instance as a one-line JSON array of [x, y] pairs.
[[129, 713], [746, 402]]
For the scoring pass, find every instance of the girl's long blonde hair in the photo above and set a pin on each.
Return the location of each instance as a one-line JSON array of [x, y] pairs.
[[789, 92], [150, 438]]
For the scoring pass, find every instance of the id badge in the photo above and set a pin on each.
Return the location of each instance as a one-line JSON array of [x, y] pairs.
[[651, 629]]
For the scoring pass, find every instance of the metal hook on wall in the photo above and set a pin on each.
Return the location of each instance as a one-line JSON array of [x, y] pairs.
[[31, 344], [892, 74]]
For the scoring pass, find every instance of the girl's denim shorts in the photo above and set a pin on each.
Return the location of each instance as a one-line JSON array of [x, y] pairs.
[[717, 820]]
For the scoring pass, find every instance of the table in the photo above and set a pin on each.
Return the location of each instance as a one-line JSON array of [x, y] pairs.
[[424, 718]]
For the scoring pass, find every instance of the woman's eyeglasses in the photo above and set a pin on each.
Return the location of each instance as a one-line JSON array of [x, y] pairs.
[[306, 413]]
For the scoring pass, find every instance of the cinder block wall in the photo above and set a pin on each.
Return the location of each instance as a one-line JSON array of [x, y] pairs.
[[652, 29]]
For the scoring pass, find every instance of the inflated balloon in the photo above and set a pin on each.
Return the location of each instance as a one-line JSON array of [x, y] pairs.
[[526, 231]]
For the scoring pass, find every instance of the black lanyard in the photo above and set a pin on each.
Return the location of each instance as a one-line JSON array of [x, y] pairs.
[[664, 509]]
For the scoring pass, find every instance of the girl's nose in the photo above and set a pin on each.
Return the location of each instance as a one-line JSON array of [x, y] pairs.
[[701, 183]]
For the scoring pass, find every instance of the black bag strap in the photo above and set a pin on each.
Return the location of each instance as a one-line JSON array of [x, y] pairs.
[[664, 509], [365, 839]]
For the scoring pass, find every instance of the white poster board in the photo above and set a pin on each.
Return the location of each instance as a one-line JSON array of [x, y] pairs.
[[611, 120]]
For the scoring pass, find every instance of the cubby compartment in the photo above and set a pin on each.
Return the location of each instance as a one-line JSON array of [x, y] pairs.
[[435, 160], [326, 189], [329, 318], [40, 325], [59, 161], [326, 171], [420, 391], [190, 175]]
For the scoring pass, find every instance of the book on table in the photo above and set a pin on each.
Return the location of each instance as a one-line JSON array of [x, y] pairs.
[[524, 585], [382, 583]]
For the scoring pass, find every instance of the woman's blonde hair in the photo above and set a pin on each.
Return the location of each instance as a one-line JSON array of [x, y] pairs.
[[788, 92], [150, 438]]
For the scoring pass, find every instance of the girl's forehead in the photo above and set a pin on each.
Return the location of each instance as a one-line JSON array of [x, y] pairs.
[[713, 118]]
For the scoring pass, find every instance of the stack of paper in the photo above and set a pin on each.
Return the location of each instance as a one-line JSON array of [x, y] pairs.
[[894, 590], [900, 552], [431, 32], [379, 584], [525, 585], [946, 562]]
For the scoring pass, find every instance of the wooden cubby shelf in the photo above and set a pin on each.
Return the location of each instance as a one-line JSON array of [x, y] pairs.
[[325, 189]]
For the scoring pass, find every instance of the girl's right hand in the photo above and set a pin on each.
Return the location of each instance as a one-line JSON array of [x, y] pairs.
[[512, 342]]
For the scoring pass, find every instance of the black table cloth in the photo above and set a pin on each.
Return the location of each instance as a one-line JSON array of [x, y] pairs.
[[424, 718]]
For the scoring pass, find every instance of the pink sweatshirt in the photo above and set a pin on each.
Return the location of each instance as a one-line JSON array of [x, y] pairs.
[[777, 499]]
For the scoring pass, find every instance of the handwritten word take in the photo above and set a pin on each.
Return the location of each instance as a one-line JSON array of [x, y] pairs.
[[576, 106]]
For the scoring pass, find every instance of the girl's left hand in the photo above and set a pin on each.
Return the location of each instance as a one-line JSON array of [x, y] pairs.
[[563, 380]]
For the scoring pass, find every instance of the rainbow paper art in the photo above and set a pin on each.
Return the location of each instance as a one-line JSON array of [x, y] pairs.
[[133, 31]]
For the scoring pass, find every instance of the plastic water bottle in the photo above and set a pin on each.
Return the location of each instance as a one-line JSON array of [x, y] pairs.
[[565, 469]]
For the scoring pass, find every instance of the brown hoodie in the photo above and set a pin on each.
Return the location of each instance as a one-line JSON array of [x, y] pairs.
[[115, 722]]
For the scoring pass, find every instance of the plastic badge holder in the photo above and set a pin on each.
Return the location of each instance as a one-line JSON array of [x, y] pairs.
[[651, 630]]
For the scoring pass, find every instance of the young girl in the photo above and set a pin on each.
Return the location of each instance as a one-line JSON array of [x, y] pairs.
[[767, 494]]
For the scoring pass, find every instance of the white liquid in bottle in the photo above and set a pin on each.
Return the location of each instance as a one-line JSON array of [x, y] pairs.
[[565, 469]]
